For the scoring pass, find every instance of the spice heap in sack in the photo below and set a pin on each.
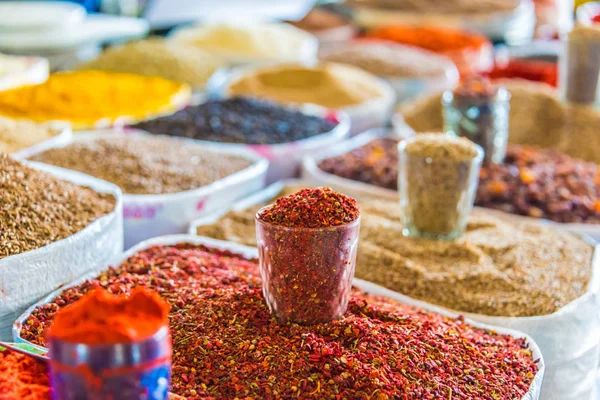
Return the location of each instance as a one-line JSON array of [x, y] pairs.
[[501, 267], [539, 183], [240, 42], [219, 318], [19, 134], [390, 60], [86, 98], [23, 377], [240, 120], [327, 26], [537, 118], [531, 70], [327, 84], [440, 7], [471, 52], [38, 209], [143, 164], [157, 57]]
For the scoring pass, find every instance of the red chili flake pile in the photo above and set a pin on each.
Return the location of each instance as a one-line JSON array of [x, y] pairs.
[[532, 70], [227, 345], [311, 208], [542, 184], [375, 163], [22, 377]]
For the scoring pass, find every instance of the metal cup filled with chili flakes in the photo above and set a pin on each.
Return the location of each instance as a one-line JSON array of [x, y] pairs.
[[107, 346], [307, 244]]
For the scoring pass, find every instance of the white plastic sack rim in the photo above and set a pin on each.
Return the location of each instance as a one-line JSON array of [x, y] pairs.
[[79, 179], [35, 72], [62, 138], [218, 85], [266, 194], [258, 167], [339, 132], [307, 53], [252, 253]]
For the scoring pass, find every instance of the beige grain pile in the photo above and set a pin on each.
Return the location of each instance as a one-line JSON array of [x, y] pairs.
[[499, 267], [19, 134]]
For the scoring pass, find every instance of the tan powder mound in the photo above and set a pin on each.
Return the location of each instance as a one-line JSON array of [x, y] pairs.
[[537, 118], [502, 266]]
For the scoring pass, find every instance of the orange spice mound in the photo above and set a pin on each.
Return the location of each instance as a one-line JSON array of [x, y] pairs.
[[22, 377], [435, 39], [101, 317]]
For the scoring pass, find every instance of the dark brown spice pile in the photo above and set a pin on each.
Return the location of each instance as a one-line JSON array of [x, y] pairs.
[[240, 120], [37, 209], [375, 163], [144, 164], [311, 208], [226, 344]]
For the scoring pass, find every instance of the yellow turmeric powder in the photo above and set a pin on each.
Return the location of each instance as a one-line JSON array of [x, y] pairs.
[[329, 85], [89, 98]]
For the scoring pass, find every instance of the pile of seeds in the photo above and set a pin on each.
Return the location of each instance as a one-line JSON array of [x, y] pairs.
[[375, 163], [143, 164], [18, 134], [37, 209], [500, 267], [226, 344], [240, 120]]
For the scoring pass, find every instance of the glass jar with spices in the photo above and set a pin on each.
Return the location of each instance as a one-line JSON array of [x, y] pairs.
[[437, 181], [110, 346], [307, 245], [478, 110]]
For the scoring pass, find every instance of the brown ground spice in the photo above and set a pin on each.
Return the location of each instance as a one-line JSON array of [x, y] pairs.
[[537, 118], [499, 267], [37, 209], [143, 164]]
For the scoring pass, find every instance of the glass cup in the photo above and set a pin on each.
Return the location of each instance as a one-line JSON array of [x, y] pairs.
[[436, 196], [307, 272], [136, 370]]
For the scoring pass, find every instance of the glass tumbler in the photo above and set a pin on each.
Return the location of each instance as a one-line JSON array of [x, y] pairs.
[[137, 370], [307, 272], [436, 196]]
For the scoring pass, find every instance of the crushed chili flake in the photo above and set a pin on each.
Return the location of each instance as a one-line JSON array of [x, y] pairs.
[[226, 344], [311, 208]]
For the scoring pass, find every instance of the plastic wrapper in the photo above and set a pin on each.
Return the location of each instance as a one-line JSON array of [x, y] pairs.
[[373, 113], [149, 215], [568, 338], [285, 158], [35, 70], [512, 27], [26, 277], [251, 252]]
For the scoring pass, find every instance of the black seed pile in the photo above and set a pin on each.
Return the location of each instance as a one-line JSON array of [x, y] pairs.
[[239, 120]]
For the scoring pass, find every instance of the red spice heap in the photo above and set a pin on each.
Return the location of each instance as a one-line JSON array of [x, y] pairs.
[[226, 344], [22, 377], [103, 318], [596, 18], [311, 208], [537, 71], [542, 183]]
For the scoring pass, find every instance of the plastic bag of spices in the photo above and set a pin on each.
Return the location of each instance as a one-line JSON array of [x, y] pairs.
[[26, 277], [252, 253], [149, 215], [568, 337], [373, 112]]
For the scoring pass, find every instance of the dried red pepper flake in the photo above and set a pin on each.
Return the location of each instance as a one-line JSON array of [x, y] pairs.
[[226, 344], [22, 377], [311, 208]]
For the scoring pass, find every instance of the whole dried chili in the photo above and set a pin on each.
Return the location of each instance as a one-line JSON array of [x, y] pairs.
[[307, 245], [22, 377], [227, 345]]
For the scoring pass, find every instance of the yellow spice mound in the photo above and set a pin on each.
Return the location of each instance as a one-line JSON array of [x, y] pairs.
[[328, 85], [86, 97]]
